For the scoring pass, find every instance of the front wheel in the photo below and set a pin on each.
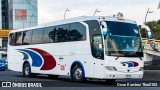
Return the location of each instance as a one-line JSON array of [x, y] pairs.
[[78, 73]]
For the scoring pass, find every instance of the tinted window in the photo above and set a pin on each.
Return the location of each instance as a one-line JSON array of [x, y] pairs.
[[62, 33], [18, 38], [122, 29], [26, 39], [94, 27], [49, 35], [12, 39], [97, 47], [37, 36], [77, 32]]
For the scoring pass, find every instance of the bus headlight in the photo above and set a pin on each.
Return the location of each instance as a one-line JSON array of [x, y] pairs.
[[110, 68], [141, 69]]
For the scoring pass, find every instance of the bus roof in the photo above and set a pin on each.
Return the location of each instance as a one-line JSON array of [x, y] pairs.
[[78, 19]]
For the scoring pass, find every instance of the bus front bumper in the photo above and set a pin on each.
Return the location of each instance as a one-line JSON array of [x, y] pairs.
[[123, 75]]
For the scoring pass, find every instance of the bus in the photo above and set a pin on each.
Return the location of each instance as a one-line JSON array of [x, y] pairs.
[[84, 47]]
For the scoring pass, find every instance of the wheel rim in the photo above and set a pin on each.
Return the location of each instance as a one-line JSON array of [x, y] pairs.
[[78, 73], [27, 70]]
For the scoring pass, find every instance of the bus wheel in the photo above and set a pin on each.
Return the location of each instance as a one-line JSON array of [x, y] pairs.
[[53, 76], [26, 70], [110, 81], [77, 73]]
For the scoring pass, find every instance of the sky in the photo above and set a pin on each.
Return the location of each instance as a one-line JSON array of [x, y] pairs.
[[53, 10]]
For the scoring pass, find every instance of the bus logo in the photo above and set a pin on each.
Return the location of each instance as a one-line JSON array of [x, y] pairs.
[[38, 56], [130, 64]]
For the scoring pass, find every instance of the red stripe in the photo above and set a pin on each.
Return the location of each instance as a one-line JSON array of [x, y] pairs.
[[135, 64], [49, 60]]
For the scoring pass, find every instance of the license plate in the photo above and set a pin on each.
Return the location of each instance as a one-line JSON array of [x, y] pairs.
[[128, 76]]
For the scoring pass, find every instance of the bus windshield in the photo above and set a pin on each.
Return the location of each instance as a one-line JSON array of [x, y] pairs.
[[123, 40]]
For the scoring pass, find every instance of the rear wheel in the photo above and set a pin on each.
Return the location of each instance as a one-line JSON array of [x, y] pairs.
[[77, 73], [26, 70]]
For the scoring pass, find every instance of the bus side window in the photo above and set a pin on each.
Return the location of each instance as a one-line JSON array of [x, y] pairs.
[[12, 39], [26, 39], [97, 47], [77, 32], [49, 35], [18, 38], [37, 36], [62, 33]]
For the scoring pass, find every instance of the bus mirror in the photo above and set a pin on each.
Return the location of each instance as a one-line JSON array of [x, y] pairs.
[[149, 35], [145, 27], [104, 28], [105, 32]]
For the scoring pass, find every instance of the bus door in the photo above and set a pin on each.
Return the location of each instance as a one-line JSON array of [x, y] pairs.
[[98, 54]]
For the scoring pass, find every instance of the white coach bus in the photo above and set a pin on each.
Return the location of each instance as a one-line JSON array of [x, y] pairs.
[[83, 47]]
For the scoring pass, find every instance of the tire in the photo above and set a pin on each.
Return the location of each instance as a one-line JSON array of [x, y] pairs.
[[26, 70], [110, 81], [77, 73], [53, 76]]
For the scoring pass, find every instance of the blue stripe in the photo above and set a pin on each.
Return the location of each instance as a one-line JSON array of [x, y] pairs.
[[36, 59], [130, 64]]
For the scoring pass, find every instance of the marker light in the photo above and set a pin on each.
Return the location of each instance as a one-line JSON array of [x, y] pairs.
[[101, 18]]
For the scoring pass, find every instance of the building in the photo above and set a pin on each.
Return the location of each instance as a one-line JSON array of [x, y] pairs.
[[22, 13], [3, 42], [17, 14]]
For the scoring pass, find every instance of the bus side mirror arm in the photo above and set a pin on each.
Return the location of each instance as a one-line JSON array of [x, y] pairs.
[[149, 34]]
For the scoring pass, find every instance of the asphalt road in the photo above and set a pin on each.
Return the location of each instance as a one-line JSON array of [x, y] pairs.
[[64, 83]]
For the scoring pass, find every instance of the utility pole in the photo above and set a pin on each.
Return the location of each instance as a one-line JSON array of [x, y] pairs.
[[31, 19], [66, 12], [148, 11], [96, 11]]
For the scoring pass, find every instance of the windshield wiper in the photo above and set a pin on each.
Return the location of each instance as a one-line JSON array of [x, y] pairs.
[[120, 55], [117, 58]]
